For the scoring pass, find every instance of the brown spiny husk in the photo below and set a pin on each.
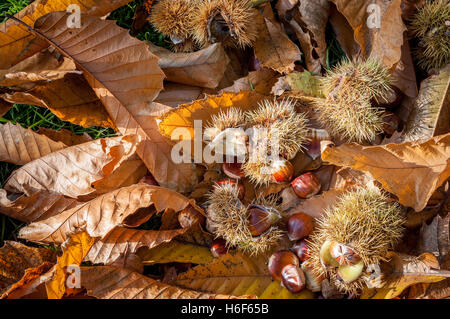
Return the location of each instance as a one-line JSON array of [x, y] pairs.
[[173, 19], [280, 122], [230, 118], [364, 220], [430, 27], [231, 22], [347, 110], [230, 218]]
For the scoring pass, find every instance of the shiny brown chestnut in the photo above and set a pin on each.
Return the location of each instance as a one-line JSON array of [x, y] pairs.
[[233, 170], [343, 254], [282, 172], [190, 216], [293, 278], [279, 260], [218, 247], [261, 218], [301, 249], [299, 226], [306, 185]]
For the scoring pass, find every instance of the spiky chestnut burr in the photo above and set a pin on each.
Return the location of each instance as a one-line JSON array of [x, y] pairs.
[[173, 19], [350, 88], [230, 219], [231, 22], [364, 221], [278, 121], [268, 171], [431, 26]]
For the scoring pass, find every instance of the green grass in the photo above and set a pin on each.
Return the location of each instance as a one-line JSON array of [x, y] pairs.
[[11, 7]]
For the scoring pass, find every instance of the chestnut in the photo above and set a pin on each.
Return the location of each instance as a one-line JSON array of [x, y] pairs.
[[233, 170], [325, 257], [343, 254], [190, 216], [279, 260], [301, 249], [293, 278], [282, 172], [261, 218], [235, 183], [306, 185], [349, 273], [299, 226], [218, 247]]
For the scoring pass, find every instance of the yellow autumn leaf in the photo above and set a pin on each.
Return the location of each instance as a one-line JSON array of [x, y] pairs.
[[237, 274], [185, 115], [176, 251], [77, 248]]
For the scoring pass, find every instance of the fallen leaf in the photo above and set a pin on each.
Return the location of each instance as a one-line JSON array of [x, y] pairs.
[[404, 74], [430, 115], [344, 33], [204, 68], [75, 250], [41, 67], [65, 136], [70, 99], [412, 171], [403, 271], [74, 170], [383, 40], [17, 44], [434, 238], [237, 274], [38, 206], [130, 172], [316, 205], [185, 115], [123, 241], [100, 215], [128, 99], [273, 48], [311, 19], [298, 84], [32, 278], [260, 81], [15, 258], [175, 94], [176, 251], [20, 146], [105, 282]]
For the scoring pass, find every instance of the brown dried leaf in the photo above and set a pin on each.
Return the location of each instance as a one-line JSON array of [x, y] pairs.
[[434, 238], [411, 171], [74, 170], [100, 215], [315, 206], [15, 258], [237, 274], [122, 241], [41, 67], [273, 48], [65, 136], [107, 282], [17, 44], [125, 86], [431, 110], [20, 146], [39, 206], [344, 33], [70, 98], [309, 23], [175, 94], [403, 271], [260, 81], [204, 68], [384, 42]]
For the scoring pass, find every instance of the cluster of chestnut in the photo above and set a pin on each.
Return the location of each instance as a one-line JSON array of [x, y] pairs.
[[291, 268]]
